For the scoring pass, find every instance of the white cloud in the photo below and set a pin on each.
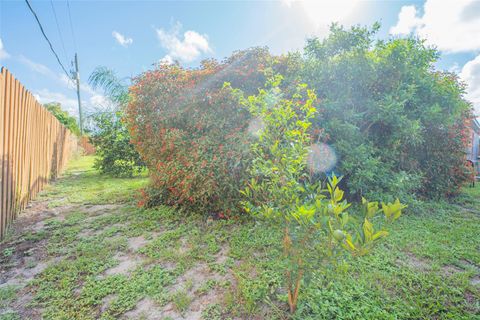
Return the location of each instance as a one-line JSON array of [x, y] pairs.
[[3, 53], [66, 81], [46, 96], [90, 97], [288, 3], [320, 14], [471, 75], [71, 84], [185, 49], [166, 60], [407, 21], [37, 67], [46, 71], [451, 25], [70, 104], [86, 87], [455, 68], [99, 100], [121, 39], [60, 77]]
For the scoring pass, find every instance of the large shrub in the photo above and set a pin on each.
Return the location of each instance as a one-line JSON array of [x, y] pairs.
[[192, 133], [395, 123], [115, 155]]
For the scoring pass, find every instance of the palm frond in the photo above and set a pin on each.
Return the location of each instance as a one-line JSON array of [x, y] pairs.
[[107, 80]]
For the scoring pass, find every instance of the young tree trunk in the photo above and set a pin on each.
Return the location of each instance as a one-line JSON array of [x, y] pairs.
[[293, 291], [293, 294], [286, 252]]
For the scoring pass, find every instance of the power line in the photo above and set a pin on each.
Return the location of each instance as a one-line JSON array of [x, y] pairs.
[[77, 74], [46, 38], [58, 29], [71, 25]]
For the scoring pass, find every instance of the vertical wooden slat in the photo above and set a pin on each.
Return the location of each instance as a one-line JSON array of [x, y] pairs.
[[24, 150], [39, 139], [34, 147], [13, 139], [11, 175], [28, 146], [2, 152], [8, 153], [24, 143], [16, 146], [31, 156]]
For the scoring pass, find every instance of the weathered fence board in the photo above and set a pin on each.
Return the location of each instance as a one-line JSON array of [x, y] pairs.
[[34, 147]]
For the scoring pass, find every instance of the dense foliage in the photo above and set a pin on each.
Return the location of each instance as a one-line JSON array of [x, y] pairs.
[[388, 122], [191, 131], [317, 225], [115, 155], [395, 123], [63, 117]]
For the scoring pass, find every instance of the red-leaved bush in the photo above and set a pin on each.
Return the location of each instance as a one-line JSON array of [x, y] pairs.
[[192, 133]]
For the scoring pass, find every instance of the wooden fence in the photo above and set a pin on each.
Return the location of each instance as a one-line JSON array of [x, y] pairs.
[[34, 147]]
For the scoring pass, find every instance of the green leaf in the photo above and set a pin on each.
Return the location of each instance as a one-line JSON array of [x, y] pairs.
[[380, 234]]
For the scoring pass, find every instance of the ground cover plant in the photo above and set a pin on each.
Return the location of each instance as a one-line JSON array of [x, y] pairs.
[[86, 251]]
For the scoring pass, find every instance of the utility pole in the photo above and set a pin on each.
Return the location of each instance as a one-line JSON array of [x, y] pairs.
[[77, 76]]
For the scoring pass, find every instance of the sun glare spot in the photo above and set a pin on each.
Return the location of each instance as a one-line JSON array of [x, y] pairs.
[[322, 13], [273, 97], [321, 158], [255, 127]]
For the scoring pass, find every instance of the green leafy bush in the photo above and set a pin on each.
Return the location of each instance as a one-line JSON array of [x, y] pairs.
[[395, 122], [394, 126], [192, 132], [115, 155], [63, 117], [318, 229]]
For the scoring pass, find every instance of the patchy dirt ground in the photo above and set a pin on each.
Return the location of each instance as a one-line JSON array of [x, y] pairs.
[[28, 252], [24, 258], [84, 250], [24, 251]]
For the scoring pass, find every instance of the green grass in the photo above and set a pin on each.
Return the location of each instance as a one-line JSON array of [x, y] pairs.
[[81, 184], [7, 294], [181, 300], [423, 271]]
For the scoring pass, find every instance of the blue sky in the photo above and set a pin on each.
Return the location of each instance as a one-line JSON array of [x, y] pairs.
[[130, 36]]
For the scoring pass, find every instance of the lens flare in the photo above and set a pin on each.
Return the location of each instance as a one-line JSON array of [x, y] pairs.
[[321, 158], [273, 97], [256, 126]]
